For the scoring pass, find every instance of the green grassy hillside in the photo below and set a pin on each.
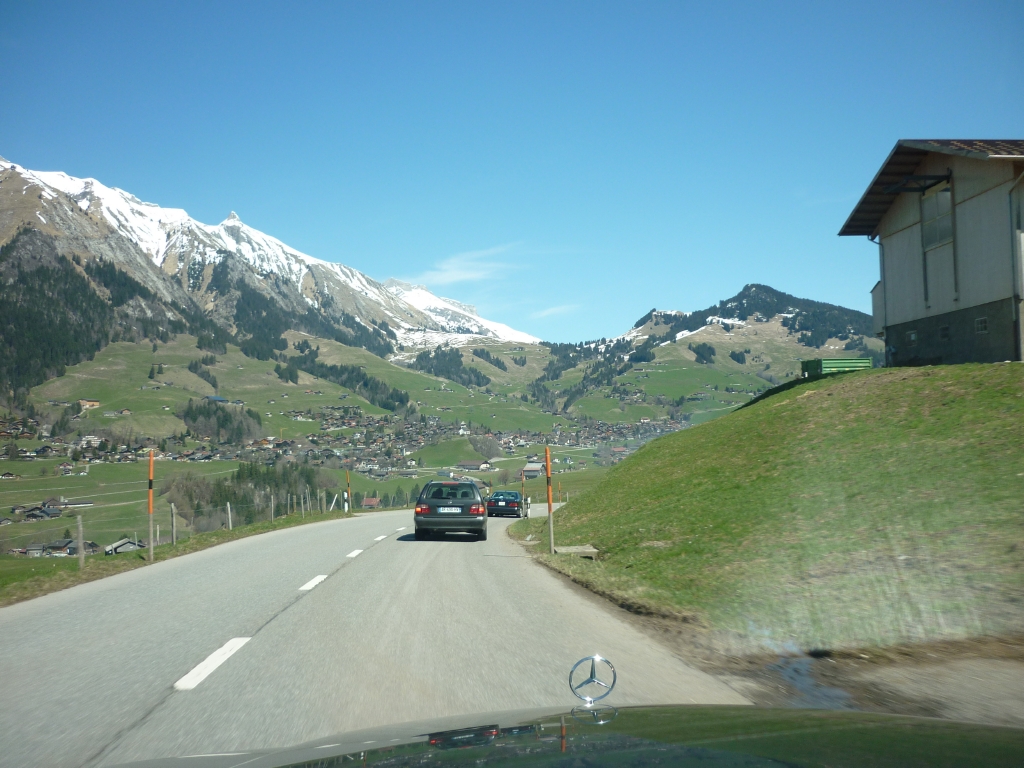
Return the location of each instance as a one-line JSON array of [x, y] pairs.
[[447, 453], [869, 508], [447, 400], [118, 378]]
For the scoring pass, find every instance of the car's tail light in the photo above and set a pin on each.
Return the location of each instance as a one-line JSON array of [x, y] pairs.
[[422, 509], [478, 509], [514, 504]]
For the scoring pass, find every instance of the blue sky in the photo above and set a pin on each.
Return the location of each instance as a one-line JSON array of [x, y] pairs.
[[563, 166]]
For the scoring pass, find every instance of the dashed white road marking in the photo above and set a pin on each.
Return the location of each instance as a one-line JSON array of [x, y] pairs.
[[380, 538], [400, 529], [354, 553], [312, 582], [214, 660]]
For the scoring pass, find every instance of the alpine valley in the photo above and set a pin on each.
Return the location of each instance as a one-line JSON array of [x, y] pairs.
[[106, 298]]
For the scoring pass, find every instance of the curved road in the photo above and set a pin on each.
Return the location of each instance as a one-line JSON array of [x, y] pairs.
[[399, 630]]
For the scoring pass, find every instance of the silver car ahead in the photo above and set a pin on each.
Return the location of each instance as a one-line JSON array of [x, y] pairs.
[[451, 506]]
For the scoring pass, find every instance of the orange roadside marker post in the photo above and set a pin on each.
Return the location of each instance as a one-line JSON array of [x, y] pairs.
[[551, 510], [151, 505], [348, 485]]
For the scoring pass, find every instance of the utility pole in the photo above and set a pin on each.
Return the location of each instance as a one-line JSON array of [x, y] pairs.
[[81, 545], [229, 515], [174, 525], [271, 507], [551, 509], [522, 500], [151, 505]]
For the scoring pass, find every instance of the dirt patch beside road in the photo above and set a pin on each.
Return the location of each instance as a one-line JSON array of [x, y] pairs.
[[979, 680]]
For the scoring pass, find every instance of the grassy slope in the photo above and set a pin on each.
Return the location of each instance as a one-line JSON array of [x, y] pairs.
[[676, 372], [500, 411], [447, 453], [117, 377], [870, 508]]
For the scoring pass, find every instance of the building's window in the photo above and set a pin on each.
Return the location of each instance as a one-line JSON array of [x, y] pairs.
[[911, 338], [937, 216], [981, 325], [944, 333]]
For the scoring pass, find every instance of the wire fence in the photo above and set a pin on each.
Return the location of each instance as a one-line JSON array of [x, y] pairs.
[[237, 513]]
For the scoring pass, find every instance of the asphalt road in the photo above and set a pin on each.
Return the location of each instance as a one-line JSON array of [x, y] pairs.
[[401, 631]]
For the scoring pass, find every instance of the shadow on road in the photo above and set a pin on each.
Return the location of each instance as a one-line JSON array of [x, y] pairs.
[[467, 538]]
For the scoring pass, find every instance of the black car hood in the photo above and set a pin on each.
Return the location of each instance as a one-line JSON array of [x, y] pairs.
[[639, 736]]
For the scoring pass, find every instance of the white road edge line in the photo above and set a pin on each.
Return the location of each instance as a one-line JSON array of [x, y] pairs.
[[380, 538], [214, 660], [312, 582], [354, 553]]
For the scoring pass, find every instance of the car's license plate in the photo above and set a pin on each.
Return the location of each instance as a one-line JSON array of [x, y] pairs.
[[501, 503], [449, 510]]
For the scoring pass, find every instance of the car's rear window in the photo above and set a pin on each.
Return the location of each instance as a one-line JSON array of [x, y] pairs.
[[447, 492], [505, 495]]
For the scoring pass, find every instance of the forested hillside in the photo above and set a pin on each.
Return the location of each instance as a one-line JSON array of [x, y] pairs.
[[50, 316]]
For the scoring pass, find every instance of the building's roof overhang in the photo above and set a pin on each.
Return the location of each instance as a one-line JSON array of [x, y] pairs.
[[897, 174]]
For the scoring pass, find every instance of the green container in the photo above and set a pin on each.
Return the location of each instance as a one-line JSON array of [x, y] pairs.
[[821, 366]]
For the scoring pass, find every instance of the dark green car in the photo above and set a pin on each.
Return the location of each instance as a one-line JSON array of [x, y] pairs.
[[450, 507], [655, 737]]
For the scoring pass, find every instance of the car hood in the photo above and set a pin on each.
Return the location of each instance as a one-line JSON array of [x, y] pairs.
[[692, 735]]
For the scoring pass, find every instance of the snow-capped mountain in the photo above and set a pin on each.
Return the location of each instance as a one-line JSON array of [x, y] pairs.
[[454, 316], [175, 255]]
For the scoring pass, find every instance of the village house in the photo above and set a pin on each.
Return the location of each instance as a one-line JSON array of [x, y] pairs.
[[123, 545], [946, 216]]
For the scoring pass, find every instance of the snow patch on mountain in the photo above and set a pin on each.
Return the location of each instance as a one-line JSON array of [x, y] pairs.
[[458, 319]]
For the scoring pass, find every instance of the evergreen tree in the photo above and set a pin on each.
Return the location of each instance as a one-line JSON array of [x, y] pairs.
[[152, 372]]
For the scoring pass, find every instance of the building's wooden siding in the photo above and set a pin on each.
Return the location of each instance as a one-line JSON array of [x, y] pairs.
[[982, 233]]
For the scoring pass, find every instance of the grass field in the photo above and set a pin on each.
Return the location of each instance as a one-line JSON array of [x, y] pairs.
[[117, 490], [865, 509]]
